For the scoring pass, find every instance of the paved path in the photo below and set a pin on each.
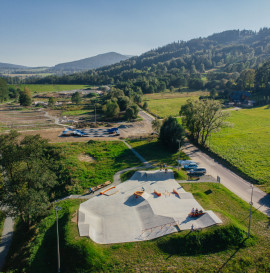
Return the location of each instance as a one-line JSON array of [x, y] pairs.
[[6, 240], [146, 163], [229, 179]]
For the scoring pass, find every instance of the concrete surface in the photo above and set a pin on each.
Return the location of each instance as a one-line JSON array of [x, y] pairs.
[[121, 217], [229, 179]]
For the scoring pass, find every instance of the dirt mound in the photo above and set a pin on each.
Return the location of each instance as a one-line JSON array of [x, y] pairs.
[[86, 158]]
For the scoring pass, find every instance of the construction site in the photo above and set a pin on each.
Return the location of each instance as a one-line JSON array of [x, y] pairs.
[[149, 205]]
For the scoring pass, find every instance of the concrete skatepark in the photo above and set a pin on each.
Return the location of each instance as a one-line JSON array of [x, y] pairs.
[[118, 216]]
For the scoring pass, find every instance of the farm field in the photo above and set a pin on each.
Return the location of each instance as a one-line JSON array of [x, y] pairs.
[[43, 88], [247, 144], [36, 251], [169, 104], [19, 118]]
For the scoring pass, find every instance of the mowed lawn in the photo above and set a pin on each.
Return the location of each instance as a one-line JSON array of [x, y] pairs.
[[169, 104], [247, 144], [43, 88]]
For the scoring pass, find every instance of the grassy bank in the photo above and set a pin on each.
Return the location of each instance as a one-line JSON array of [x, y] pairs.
[[36, 251], [247, 144], [2, 220]]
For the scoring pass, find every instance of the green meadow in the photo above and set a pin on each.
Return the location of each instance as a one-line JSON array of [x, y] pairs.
[[246, 145], [43, 88], [169, 104]]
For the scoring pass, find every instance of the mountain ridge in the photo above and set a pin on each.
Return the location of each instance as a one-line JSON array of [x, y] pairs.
[[84, 64]]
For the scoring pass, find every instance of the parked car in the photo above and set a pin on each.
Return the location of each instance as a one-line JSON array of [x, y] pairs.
[[196, 171], [185, 162], [190, 166]]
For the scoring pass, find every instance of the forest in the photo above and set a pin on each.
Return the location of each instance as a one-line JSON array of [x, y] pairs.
[[226, 61]]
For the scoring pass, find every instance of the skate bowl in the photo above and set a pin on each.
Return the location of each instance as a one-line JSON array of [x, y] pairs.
[[125, 217]]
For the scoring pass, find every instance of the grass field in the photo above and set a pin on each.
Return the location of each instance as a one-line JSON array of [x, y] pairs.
[[154, 152], [108, 158], [77, 112], [35, 251], [247, 144], [43, 88], [166, 104]]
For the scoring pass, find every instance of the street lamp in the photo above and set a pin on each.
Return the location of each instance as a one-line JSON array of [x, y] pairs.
[[58, 250], [249, 224]]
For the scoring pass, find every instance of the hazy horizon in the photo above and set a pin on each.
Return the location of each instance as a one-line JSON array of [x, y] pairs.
[[52, 32]]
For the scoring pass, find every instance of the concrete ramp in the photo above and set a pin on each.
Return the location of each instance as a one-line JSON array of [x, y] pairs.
[[121, 217], [152, 175], [186, 195]]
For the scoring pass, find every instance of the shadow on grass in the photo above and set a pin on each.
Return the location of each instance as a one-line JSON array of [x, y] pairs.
[[232, 256], [80, 256], [154, 151]]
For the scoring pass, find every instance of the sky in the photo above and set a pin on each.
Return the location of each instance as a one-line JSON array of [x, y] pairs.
[[48, 32]]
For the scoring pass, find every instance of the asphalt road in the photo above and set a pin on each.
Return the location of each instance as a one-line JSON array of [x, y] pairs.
[[229, 179]]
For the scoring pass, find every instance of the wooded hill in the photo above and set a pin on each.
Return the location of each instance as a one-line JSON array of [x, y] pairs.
[[229, 53], [68, 67]]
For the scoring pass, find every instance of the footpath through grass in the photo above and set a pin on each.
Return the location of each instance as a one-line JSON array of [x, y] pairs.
[[247, 144], [209, 250], [43, 88]]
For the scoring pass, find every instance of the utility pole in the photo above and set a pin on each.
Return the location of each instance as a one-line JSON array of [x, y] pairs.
[[58, 249], [95, 115], [249, 224], [178, 140]]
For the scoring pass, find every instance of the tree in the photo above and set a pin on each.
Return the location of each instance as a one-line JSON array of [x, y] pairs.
[[156, 125], [27, 176], [170, 133], [262, 77], [246, 79], [145, 105], [132, 112], [51, 101], [123, 102], [25, 98], [76, 98], [137, 98], [195, 84], [111, 109], [3, 90], [13, 92], [202, 117], [213, 93]]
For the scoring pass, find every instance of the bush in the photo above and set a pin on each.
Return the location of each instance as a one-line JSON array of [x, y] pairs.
[[206, 241]]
